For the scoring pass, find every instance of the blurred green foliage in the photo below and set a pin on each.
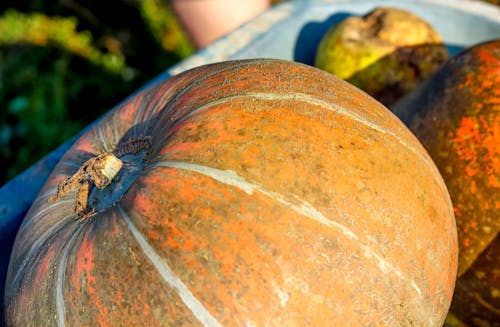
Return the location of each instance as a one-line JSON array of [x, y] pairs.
[[38, 29], [64, 63]]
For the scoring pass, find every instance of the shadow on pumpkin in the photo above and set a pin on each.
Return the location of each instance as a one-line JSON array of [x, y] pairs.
[[138, 147]]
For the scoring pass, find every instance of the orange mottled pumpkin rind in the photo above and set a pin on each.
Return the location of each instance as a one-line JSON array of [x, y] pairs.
[[272, 192]]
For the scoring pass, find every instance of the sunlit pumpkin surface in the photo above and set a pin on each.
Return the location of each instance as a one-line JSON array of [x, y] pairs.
[[272, 194]]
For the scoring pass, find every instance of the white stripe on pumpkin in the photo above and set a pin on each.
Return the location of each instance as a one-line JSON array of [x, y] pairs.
[[102, 139], [61, 272], [196, 307], [38, 244], [330, 107], [302, 207]]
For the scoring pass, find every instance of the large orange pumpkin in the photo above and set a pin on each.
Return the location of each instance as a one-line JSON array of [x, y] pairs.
[[251, 193], [456, 115]]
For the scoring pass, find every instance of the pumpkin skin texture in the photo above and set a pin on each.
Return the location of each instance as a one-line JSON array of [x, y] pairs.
[[265, 198], [456, 115]]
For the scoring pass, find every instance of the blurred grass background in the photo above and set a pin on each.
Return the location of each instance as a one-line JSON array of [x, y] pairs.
[[64, 63]]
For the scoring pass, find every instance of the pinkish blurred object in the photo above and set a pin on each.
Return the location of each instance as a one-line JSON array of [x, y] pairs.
[[207, 20]]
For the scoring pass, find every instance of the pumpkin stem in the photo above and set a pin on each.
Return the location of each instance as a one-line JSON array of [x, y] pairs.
[[111, 167], [100, 171]]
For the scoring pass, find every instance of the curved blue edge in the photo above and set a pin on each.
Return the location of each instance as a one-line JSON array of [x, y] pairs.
[[291, 31]]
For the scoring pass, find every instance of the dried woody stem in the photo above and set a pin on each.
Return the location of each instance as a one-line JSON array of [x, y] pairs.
[[100, 171]]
